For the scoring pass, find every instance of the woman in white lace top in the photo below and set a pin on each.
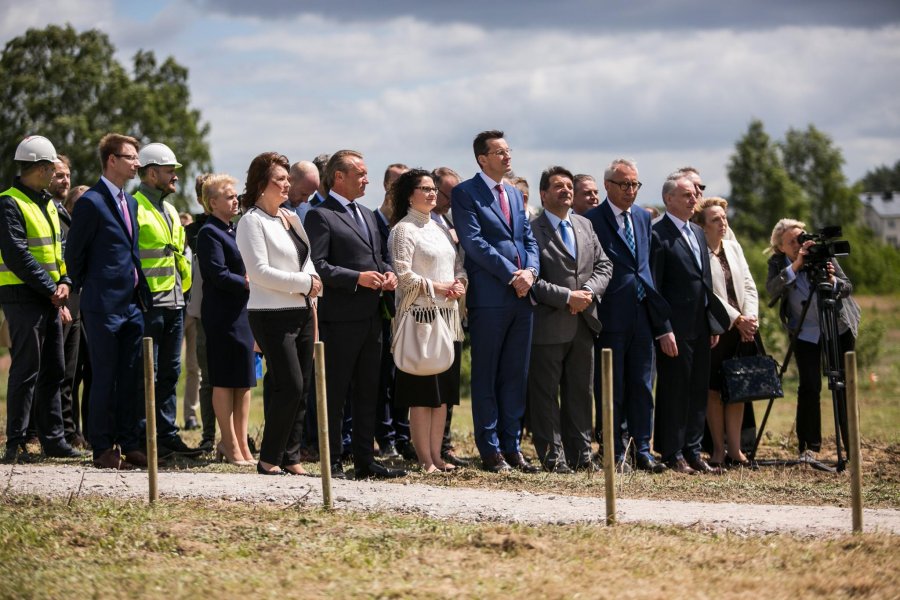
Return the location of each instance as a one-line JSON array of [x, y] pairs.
[[423, 252]]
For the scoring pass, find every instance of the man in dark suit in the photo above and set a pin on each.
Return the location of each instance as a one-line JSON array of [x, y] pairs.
[[680, 265], [574, 272], [502, 263], [102, 254], [352, 260], [629, 308]]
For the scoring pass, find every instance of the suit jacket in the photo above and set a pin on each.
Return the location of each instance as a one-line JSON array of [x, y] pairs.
[[494, 249], [560, 273], [687, 288], [100, 255], [744, 287], [222, 270], [616, 310], [340, 252], [777, 285]]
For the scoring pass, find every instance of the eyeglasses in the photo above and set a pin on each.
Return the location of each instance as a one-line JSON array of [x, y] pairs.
[[501, 153], [427, 190], [627, 185], [131, 157], [700, 187]]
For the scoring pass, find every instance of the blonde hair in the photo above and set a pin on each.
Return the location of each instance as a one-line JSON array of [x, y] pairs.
[[778, 232], [212, 186], [700, 210]]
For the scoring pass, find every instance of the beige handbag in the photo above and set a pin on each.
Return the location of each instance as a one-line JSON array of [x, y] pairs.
[[423, 341]]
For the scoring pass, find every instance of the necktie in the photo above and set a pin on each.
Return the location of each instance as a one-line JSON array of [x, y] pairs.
[[359, 220], [695, 248], [126, 215], [566, 234], [504, 204], [629, 239]]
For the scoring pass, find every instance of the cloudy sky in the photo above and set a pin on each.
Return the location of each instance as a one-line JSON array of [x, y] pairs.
[[572, 82]]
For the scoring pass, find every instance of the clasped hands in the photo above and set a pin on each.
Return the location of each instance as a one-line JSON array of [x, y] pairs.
[[579, 300], [522, 281], [449, 289], [747, 327], [378, 281]]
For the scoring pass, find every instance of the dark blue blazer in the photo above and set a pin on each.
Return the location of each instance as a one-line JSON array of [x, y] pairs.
[[492, 247], [616, 310], [224, 287], [100, 255], [687, 288]]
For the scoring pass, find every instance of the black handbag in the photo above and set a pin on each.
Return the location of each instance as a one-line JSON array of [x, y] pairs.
[[748, 378]]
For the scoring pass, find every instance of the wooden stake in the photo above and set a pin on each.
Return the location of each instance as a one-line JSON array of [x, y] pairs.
[[322, 414], [150, 409], [854, 450], [609, 447]]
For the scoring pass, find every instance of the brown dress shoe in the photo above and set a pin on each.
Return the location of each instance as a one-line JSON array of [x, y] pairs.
[[136, 458], [680, 466], [701, 466], [111, 458], [495, 463], [518, 461]]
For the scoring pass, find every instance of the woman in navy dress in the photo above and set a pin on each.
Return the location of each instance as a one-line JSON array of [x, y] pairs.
[[223, 313]]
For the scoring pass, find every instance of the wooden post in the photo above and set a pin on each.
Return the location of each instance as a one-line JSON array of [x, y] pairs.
[[322, 414], [609, 447], [150, 408], [854, 450]]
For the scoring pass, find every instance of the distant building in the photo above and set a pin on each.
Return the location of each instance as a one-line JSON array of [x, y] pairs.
[[882, 214]]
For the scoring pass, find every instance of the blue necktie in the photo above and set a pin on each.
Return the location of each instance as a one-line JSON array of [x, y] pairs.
[[695, 248], [629, 239], [567, 238]]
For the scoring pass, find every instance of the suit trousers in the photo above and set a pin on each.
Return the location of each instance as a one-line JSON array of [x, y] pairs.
[[35, 373], [501, 344], [352, 364], [632, 355], [166, 327], [392, 422], [114, 344], [68, 400], [191, 402], [809, 409], [560, 377], [681, 394], [286, 339], [207, 414]]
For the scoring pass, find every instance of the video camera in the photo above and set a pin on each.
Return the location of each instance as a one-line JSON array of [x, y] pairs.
[[826, 246]]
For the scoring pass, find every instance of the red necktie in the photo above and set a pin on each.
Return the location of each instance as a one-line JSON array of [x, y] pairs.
[[504, 204]]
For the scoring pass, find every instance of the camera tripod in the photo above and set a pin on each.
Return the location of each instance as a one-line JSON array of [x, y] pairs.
[[829, 308]]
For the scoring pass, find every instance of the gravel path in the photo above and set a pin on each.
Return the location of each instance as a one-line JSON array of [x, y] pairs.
[[466, 504]]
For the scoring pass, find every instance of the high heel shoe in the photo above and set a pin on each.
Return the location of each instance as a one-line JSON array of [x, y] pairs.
[[262, 471], [222, 457]]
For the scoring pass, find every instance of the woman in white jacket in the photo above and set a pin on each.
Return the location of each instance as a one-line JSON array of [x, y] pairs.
[[733, 284], [283, 288]]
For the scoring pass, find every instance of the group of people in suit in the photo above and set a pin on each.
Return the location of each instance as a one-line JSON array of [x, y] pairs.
[[540, 298]]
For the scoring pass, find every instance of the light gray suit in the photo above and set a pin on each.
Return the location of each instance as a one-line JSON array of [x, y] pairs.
[[562, 352]]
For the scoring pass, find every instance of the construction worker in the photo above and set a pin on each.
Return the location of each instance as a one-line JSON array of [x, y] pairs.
[[34, 289], [161, 243]]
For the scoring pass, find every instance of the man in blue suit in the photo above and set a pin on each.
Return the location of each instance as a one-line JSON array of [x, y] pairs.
[[102, 255], [502, 262], [628, 310]]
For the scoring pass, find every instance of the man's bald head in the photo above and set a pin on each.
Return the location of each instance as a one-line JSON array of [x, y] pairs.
[[304, 182]]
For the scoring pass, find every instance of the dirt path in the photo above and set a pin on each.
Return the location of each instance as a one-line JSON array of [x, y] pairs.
[[440, 502]]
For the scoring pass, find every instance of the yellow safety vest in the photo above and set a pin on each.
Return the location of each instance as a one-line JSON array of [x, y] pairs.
[[161, 249], [44, 240]]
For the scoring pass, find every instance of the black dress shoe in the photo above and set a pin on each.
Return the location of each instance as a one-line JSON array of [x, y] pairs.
[[337, 470], [495, 463], [588, 465], [701, 466], [558, 466], [177, 447], [262, 471], [680, 466], [376, 471], [17, 453], [453, 459], [645, 462], [206, 446], [517, 460], [389, 450], [408, 451], [62, 450]]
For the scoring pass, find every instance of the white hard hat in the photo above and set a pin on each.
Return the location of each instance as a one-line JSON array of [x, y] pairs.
[[35, 148], [157, 154]]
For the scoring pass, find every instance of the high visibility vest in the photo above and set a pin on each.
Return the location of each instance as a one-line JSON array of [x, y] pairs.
[[44, 239], [161, 249]]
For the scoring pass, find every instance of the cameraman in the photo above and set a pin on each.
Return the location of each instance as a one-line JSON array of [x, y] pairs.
[[789, 278]]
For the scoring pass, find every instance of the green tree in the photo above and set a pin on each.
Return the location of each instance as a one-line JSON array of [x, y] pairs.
[[761, 191], [69, 87], [816, 165], [881, 179]]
